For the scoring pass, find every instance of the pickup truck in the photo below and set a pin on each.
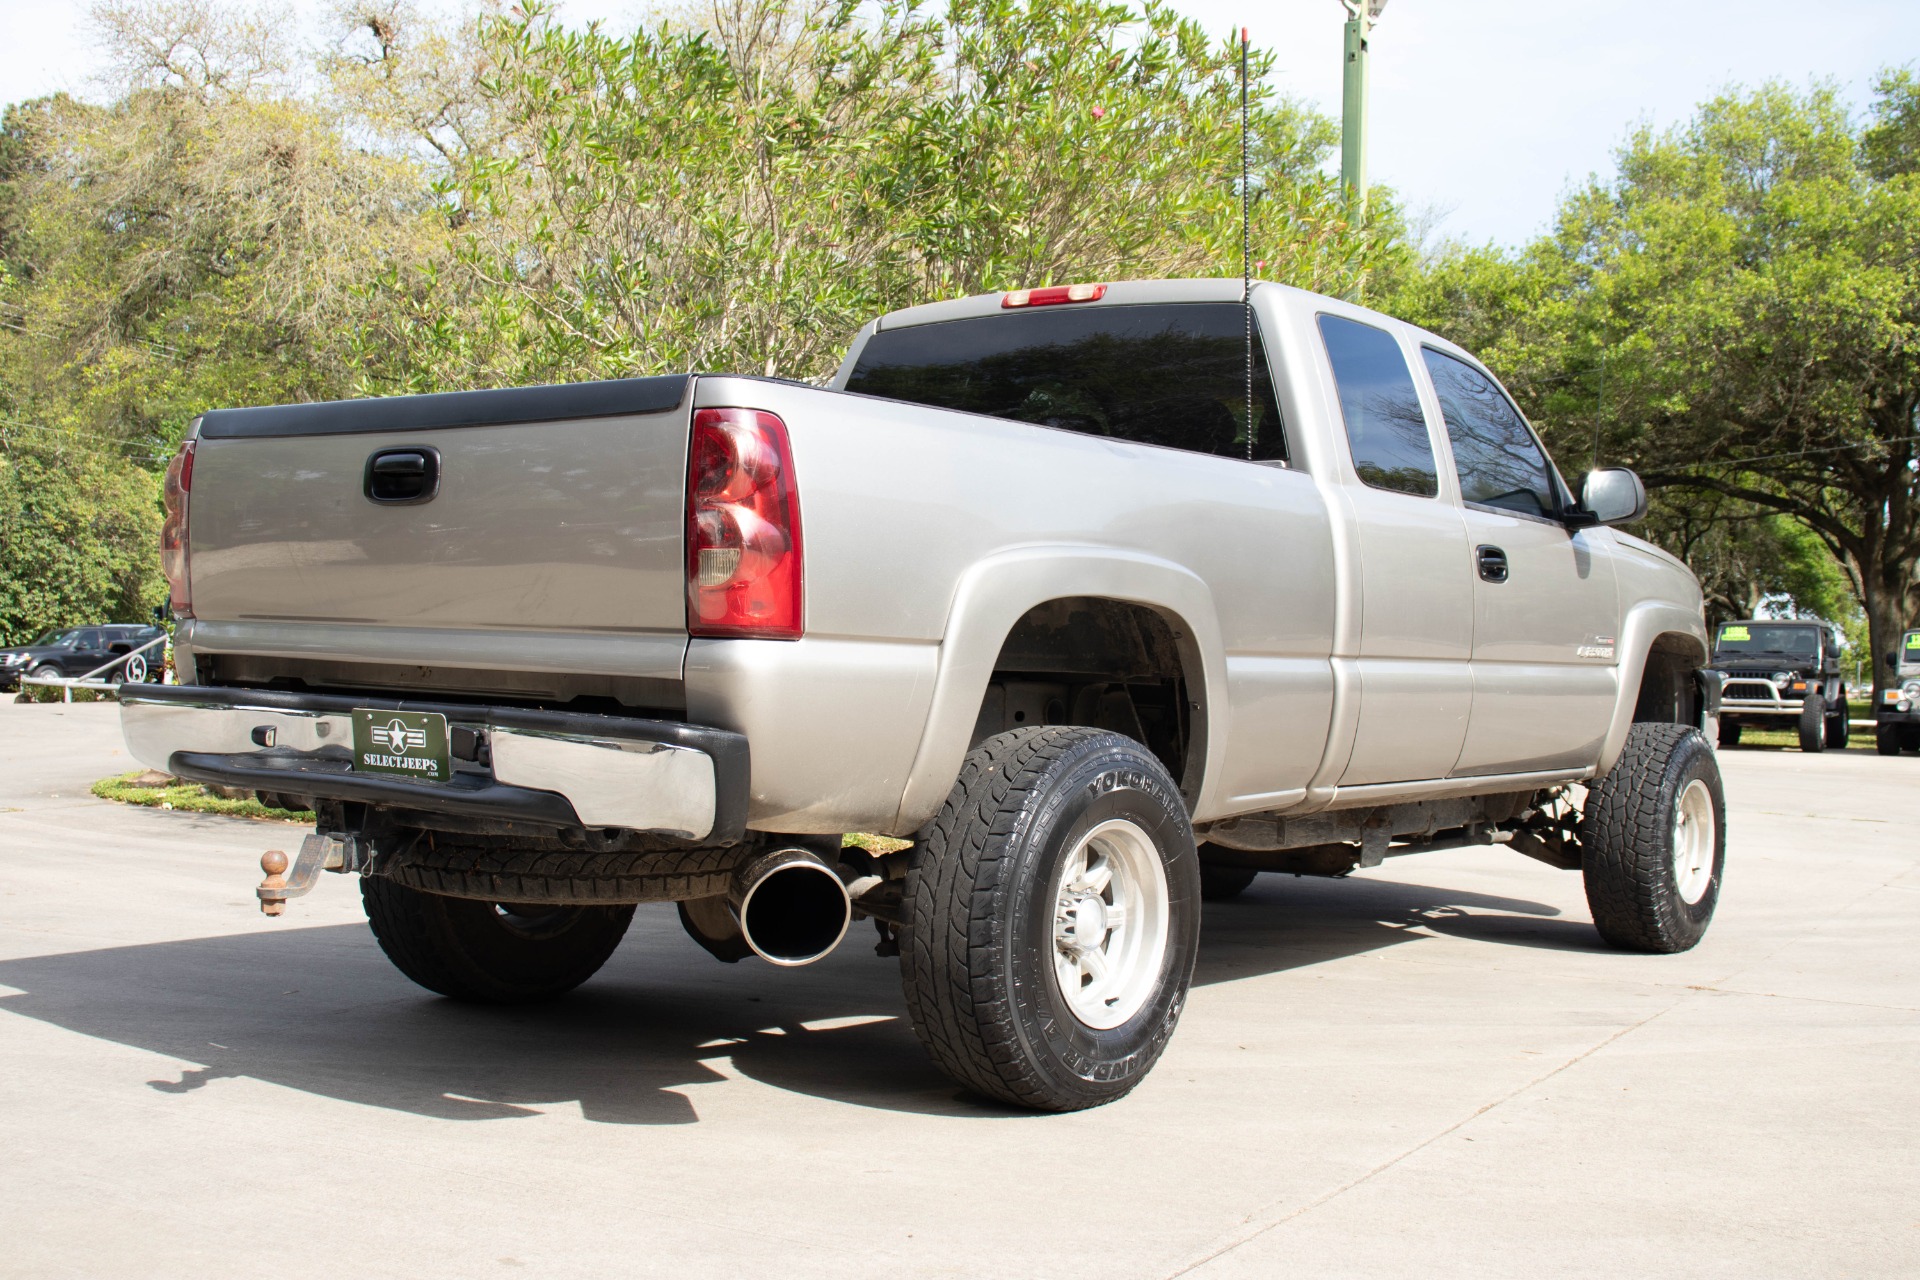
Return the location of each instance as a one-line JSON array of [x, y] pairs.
[[1106, 598]]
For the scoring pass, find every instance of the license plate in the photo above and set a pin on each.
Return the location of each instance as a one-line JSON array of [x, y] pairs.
[[406, 744]]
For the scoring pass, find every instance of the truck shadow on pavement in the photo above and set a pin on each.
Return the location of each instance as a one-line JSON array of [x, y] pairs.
[[320, 1010]]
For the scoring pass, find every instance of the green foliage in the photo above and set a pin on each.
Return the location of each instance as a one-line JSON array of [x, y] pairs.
[[78, 527], [743, 195]]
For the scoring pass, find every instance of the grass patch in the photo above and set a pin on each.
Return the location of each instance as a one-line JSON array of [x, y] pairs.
[[189, 797], [873, 844], [1861, 739]]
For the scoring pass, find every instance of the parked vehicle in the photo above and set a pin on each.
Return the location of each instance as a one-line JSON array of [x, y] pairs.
[[1897, 719], [1057, 584], [1782, 675], [72, 652]]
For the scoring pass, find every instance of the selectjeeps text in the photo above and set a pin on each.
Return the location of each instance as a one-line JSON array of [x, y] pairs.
[[1056, 584]]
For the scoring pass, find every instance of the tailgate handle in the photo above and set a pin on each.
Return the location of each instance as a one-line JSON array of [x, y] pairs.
[[403, 475]]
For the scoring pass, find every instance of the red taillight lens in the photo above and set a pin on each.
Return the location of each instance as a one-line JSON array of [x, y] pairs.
[[743, 528], [1054, 295], [173, 529]]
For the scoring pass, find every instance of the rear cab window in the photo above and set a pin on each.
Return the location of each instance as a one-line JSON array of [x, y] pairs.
[[1167, 374], [1386, 428]]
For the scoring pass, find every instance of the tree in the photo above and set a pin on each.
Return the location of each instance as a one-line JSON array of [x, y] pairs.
[[742, 193], [1738, 315], [80, 528]]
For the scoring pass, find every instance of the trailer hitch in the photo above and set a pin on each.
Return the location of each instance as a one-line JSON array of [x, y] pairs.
[[318, 852]]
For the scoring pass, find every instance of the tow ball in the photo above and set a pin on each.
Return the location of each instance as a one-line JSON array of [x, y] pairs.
[[317, 853]]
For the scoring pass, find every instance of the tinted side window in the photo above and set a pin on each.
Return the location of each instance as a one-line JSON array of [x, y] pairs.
[[1385, 427], [1499, 461], [1171, 374]]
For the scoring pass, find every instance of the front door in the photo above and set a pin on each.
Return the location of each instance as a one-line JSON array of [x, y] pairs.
[[1546, 611]]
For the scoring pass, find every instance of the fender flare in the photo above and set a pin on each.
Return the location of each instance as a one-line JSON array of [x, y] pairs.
[[996, 592], [1644, 623]]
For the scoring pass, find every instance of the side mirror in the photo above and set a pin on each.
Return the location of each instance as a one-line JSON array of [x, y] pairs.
[[1612, 495]]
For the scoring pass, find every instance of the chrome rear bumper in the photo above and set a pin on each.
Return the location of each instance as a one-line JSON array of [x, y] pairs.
[[550, 768]]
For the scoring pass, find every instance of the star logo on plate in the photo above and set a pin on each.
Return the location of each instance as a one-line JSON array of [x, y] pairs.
[[396, 737]]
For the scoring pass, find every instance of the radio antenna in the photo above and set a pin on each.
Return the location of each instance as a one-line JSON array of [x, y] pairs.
[[1246, 236]]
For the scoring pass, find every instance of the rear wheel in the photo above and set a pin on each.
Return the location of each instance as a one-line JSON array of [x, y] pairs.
[[490, 952], [1839, 726], [1653, 841], [1223, 884], [1813, 723], [1052, 919]]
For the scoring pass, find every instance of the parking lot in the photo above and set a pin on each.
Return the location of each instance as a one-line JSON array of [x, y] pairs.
[[1429, 1068]]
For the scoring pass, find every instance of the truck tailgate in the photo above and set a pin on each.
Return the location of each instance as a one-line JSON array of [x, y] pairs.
[[556, 509]]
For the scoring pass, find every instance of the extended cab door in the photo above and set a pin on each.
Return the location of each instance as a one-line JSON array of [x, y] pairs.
[[1546, 609], [1416, 626]]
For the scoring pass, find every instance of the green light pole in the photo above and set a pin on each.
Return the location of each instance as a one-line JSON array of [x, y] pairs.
[[1361, 15]]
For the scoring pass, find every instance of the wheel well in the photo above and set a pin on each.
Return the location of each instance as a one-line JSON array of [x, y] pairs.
[[1107, 664], [1668, 693]]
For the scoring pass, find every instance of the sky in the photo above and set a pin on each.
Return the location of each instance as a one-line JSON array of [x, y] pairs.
[[1483, 114]]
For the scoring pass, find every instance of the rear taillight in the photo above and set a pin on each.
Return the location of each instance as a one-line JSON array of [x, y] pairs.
[[1054, 295], [173, 530], [743, 527]]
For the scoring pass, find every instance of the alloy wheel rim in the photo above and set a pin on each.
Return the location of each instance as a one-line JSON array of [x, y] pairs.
[[1111, 910], [1694, 832]]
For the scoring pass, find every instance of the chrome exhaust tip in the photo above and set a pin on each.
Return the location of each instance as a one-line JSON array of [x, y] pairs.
[[792, 907]]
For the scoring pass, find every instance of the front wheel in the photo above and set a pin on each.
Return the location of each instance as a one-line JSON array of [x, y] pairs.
[[1653, 841], [1729, 734], [1052, 919], [1886, 739], [1813, 723], [1840, 726], [490, 952]]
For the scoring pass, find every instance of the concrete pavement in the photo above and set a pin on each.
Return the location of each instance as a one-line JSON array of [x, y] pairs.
[[1428, 1068]]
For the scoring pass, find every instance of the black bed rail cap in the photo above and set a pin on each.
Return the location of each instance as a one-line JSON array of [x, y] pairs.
[[449, 409]]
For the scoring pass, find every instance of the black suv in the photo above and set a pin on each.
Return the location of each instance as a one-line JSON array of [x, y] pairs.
[[74, 651], [1782, 674], [1897, 718]]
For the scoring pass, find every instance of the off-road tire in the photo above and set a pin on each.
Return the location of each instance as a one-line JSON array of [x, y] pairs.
[[488, 953], [1729, 734], [1813, 723], [1627, 841], [1840, 726], [511, 875], [976, 953], [1224, 884], [1886, 739]]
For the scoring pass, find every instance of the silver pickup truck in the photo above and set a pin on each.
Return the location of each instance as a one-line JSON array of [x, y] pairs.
[[1105, 597]]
